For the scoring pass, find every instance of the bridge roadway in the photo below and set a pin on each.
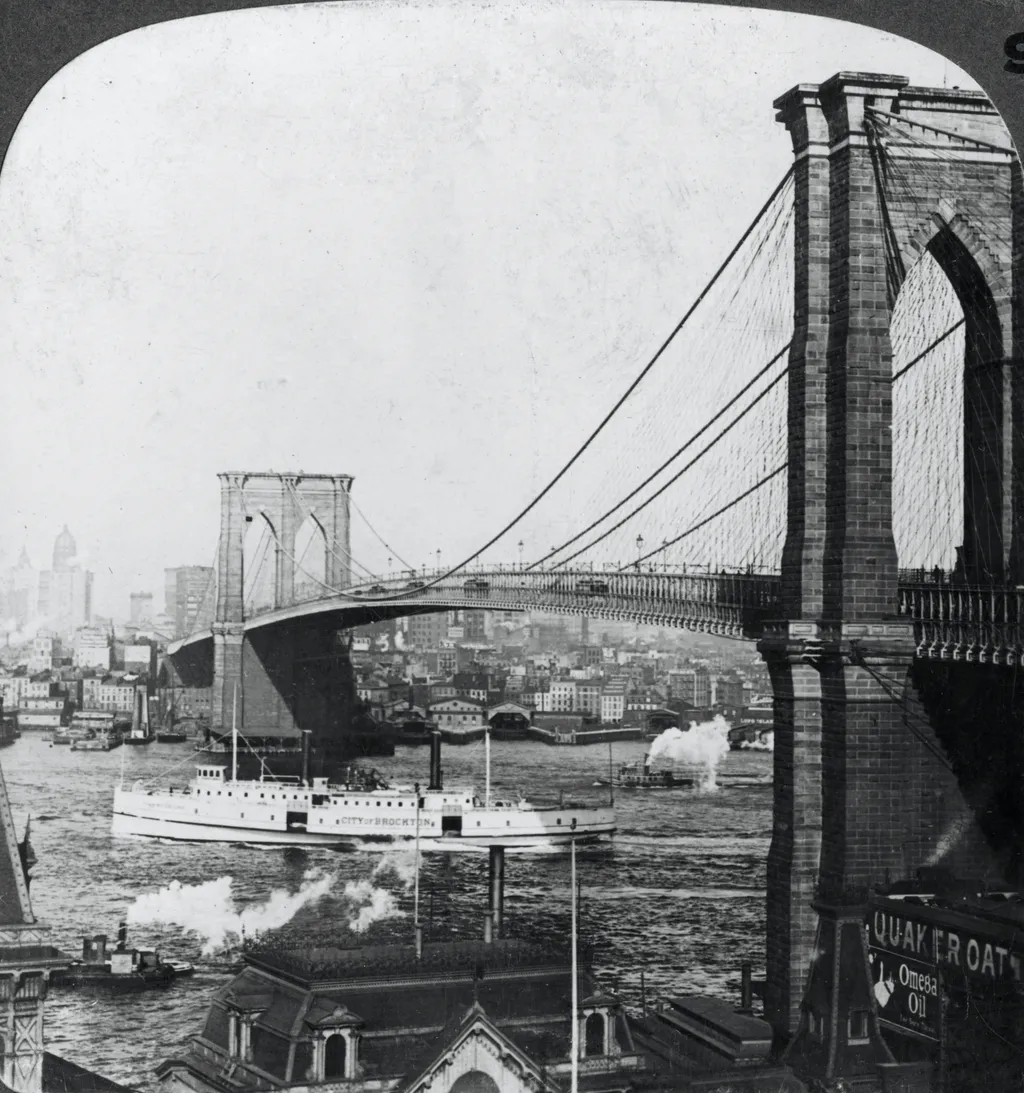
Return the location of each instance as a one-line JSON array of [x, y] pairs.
[[952, 621]]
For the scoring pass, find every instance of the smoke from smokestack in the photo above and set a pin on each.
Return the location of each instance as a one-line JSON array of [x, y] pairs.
[[704, 745]]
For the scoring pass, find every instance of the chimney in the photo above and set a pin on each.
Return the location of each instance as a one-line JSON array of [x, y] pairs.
[[306, 733], [435, 761]]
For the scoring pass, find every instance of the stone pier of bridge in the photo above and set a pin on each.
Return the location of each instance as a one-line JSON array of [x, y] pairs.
[[870, 785], [292, 677]]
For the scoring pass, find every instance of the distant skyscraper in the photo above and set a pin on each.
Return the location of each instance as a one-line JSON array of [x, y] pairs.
[[19, 595], [194, 600], [65, 591], [64, 551], [141, 606]]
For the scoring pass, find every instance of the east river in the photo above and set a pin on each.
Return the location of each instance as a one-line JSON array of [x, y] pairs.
[[679, 896]]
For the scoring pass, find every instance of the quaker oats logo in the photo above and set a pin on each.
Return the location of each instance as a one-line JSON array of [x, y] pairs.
[[884, 984]]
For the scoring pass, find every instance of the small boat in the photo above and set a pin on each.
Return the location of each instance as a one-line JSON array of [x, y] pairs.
[[98, 741], [637, 775], [171, 736], [122, 969]]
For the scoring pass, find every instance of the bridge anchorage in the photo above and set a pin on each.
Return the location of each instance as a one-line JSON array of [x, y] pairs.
[[898, 728]]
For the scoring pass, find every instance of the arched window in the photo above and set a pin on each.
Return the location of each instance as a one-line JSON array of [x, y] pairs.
[[335, 1055], [593, 1039], [474, 1081]]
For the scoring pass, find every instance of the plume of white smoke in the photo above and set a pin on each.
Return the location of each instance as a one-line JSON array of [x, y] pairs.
[[765, 742], [26, 633], [210, 911], [704, 745]]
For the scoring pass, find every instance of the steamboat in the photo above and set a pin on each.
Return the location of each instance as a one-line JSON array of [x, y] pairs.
[[123, 969], [362, 810], [638, 775]]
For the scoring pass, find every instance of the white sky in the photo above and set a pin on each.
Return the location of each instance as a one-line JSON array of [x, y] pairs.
[[424, 244]]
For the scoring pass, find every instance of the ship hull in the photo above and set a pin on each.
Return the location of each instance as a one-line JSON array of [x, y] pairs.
[[181, 817]]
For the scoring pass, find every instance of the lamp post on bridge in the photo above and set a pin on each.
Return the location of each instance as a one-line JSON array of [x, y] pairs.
[[639, 551], [520, 554], [438, 552]]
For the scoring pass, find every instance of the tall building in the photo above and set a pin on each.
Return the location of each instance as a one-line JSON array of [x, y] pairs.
[[65, 551], [19, 596], [141, 606], [427, 631], [194, 600], [65, 591]]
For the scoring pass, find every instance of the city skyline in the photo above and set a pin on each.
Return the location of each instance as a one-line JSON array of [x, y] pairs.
[[501, 226]]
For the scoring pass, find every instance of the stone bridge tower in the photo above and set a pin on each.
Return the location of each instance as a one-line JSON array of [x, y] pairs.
[[265, 678], [862, 791]]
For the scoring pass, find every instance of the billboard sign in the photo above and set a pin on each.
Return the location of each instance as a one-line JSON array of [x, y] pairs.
[[908, 993]]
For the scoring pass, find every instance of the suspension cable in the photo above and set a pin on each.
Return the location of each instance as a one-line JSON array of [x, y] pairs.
[[707, 520], [622, 399], [696, 436]]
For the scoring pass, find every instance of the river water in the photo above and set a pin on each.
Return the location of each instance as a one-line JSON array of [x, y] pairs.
[[679, 895]]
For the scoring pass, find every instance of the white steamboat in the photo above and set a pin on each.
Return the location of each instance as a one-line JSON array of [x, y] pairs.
[[362, 811]]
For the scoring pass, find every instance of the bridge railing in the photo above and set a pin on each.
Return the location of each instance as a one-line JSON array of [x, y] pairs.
[[729, 602], [970, 622]]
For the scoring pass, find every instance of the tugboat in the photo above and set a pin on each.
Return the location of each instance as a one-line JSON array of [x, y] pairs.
[[123, 969], [637, 775]]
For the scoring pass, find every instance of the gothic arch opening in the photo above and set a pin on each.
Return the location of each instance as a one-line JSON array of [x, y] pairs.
[[258, 565], [946, 413], [310, 560]]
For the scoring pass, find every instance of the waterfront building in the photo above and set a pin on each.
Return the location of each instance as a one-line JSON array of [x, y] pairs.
[[457, 1017], [108, 693], [92, 649], [563, 695], [44, 648], [613, 701], [459, 713], [139, 659]]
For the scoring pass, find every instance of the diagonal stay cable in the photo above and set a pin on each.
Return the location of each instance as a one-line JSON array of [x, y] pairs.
[[679, 474], [654, 474], [707, 520], [387, 546]]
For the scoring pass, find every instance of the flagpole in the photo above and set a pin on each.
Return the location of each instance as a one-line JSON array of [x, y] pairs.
[[234, 735], [574, 1043]]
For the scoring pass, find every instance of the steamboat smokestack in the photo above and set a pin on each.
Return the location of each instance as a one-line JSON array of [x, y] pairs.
[[305, 756], [647, 763], [435, 760]]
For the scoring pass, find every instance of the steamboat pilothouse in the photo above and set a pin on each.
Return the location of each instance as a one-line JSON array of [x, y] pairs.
[[357, 813]]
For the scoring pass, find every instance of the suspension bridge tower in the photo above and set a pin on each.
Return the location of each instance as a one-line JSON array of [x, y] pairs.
[[272, 508], [883, 173]]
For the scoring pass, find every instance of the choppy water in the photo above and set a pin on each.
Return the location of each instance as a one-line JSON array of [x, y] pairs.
[[680, 895]]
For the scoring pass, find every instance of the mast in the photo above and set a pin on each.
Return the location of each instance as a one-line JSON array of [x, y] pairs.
[[575, 1041], [487, 764], [234, 735], [416, 890], [611, 776]]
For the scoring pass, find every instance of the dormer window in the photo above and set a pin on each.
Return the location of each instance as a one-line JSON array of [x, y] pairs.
[[595, 1034]]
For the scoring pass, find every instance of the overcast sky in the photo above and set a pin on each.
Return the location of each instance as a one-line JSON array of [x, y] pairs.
[[423, 244]]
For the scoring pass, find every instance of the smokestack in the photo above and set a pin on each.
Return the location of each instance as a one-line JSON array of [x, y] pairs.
[[419, 942], [488, 927], [435, 760], [306, 733], [497, 886], [647, 763], [122, 934]]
